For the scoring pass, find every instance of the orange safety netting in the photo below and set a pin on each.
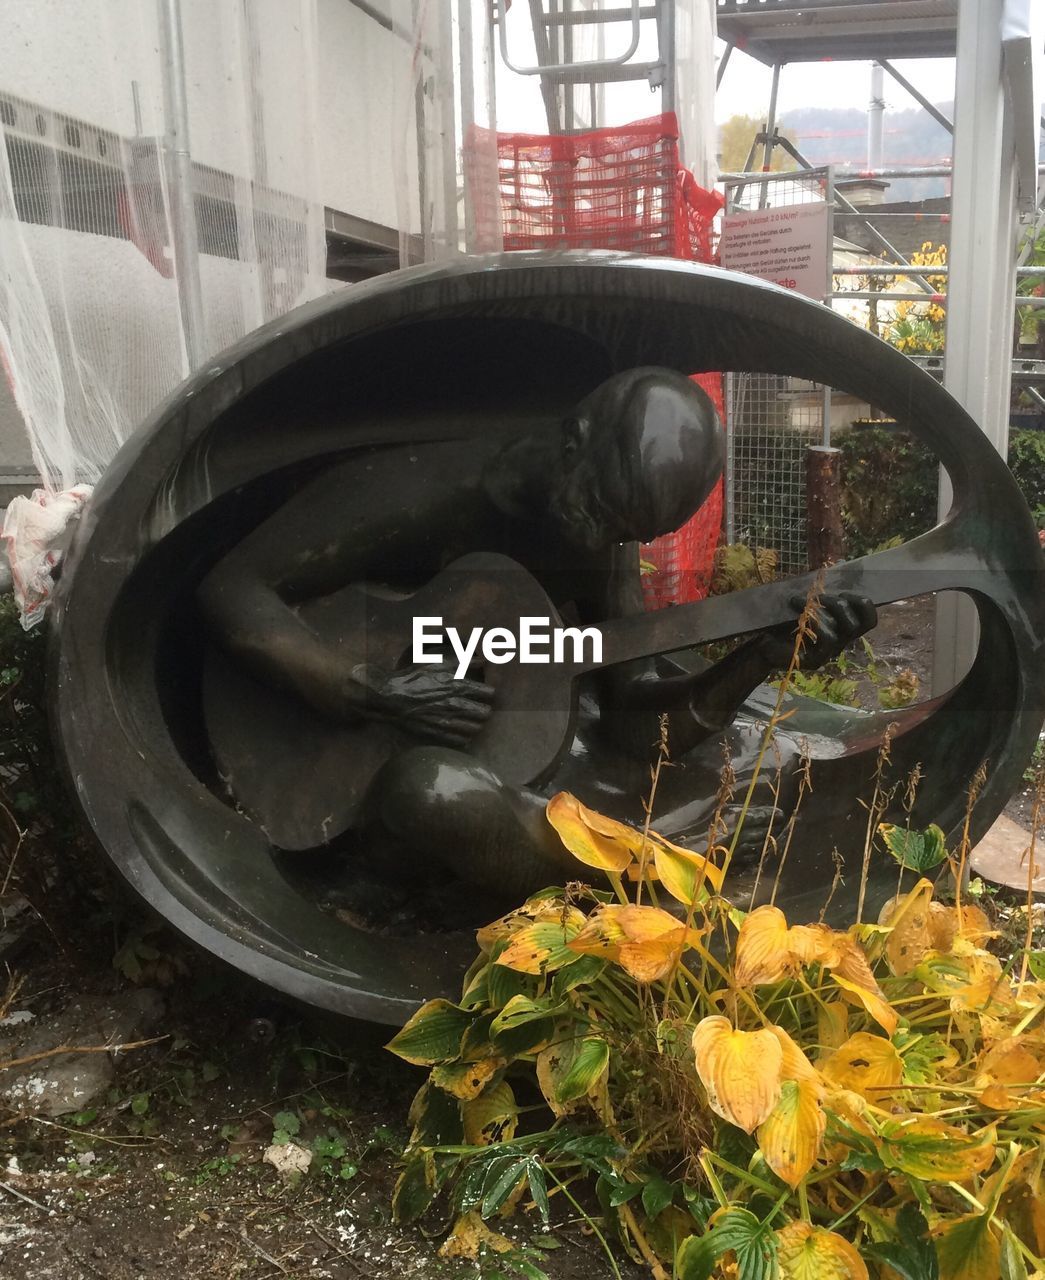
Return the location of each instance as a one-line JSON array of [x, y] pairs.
[[618, 188]]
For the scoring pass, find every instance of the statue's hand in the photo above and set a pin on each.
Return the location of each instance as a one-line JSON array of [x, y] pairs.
[[841, 619], [426, 701]]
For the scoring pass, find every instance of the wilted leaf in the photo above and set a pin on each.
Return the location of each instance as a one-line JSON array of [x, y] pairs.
[[433, 1035], [592, 838], [806, 1252], [541, 947], [415, 1188], [926, 1148], [908, 921], [469, 1233], [466, 1079], [491, 1117], [791, 1135], [644, 941], [948, 923], [866, 1064], [768, 950], [968, 1249], [915, 850], [873, 1001], [739, 1069]]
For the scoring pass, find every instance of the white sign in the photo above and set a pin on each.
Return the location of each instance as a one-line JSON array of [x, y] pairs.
[[788, 246]]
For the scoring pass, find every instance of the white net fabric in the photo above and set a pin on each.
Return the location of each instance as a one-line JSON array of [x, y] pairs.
[[91, 303], [136, 241]]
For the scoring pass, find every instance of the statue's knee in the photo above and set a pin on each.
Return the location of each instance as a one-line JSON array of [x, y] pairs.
[[428, 791]]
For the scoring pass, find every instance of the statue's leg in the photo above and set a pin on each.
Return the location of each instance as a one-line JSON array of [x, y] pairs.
[[442, 805]]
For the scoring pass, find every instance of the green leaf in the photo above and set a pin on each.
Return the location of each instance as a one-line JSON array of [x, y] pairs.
[[753, 1242], [436, 1117], [657, 1194], [915, 850], [588, 1063], [503, 983], [539, 1191], [581, 973], [415, 1189], [503, 1186], [968, 1249], [140, 1104], [288, 1121], [433, 1035], [912, 1254], [1013, 1266], [1036, 964], [518, 1011]]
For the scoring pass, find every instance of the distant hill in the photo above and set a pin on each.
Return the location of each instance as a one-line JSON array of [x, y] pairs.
[[838, 135]]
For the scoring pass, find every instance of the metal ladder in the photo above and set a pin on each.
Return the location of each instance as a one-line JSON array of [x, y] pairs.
[[554, 29]]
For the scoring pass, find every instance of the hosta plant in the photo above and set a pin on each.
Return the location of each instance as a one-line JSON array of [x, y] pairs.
[[722, 1093]]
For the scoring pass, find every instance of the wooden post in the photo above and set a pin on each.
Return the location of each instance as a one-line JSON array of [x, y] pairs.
[[824, 538]]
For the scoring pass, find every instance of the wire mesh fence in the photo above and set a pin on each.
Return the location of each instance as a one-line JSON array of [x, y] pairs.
[[772, 420]]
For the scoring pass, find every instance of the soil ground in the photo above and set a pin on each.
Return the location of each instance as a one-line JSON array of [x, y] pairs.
[[164, 1174]]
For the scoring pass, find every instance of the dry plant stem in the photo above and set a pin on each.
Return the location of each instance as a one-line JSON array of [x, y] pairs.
[[1039, 794], [972, 795], [661, 761], [879, 800], [805, 621], [805, 785], [770, 839], [5, 1063], [644, 1248]]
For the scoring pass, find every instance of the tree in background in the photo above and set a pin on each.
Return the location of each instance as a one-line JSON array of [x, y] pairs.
[[735, 138]]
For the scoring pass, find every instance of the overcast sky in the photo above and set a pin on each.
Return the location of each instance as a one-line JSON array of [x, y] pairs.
[[746, 84]]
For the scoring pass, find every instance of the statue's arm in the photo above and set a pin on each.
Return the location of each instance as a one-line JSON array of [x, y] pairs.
[[321, 540], [705, 703]]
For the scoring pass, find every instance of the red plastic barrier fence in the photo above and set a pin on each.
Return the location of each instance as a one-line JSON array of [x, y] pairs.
[[618, 188]]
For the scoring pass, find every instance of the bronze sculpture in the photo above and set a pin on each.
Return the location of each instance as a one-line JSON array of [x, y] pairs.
[[489, 352], [571, 503]]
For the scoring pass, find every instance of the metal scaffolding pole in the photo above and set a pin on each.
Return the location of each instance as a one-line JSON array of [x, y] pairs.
[[179, 177], [981, 281], [875, 117]]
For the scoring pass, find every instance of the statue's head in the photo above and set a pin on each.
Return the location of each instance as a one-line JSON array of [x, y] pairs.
[[638, 457]]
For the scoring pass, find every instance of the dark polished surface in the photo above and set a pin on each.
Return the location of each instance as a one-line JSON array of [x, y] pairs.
[[469, 363]]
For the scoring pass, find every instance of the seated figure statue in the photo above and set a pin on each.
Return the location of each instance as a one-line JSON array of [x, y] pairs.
[[635, 460]]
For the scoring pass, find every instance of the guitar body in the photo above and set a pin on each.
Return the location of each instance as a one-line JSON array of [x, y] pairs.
[[303, 778]]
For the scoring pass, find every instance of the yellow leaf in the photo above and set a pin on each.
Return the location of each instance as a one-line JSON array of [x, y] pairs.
[[644, 941], [945, 925], [873, 1001], [540, 947], [491, 1117], [794, 1065], [791, 1135], [466, 1080], [866, 1064], [806, 1252], [832, 1024], [739, 1069], [591, 837], [908, 920], [762, 952], [469, 1233], [768, 951], [687, 876]]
